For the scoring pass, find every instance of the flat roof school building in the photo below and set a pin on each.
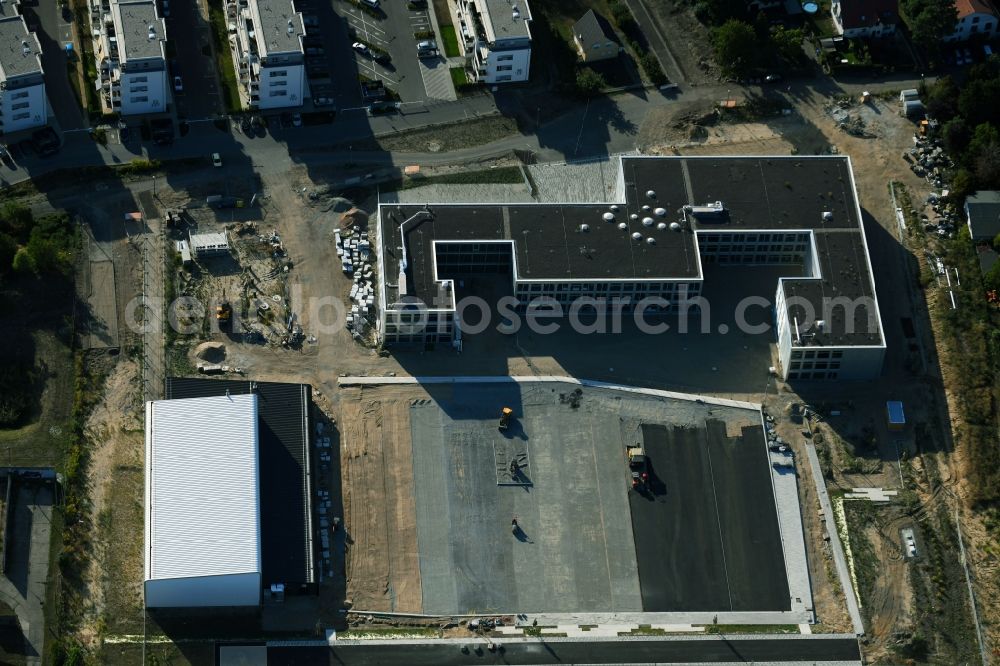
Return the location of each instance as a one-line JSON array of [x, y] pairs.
[[669, 217]]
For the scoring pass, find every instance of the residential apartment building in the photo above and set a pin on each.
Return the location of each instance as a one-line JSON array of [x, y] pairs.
[[268, 53], [865, 18], [975, 18], [22, 85], [130, 47], [496, 39]]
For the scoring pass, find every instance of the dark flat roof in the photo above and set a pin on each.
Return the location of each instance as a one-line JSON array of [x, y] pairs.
[[783, 193], [845, 276], [285, 500], [722, 551]]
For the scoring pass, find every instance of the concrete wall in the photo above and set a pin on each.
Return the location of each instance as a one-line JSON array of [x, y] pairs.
[[204, 591]]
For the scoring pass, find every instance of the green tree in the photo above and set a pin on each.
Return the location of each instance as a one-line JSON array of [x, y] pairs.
[[588, 82], [8, 248], [956, 136], [16, 220], [941, 98], [788, 43], [736, 47], [23, 262], [929, 21]]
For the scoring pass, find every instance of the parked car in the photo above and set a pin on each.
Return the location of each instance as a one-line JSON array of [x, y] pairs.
[[427, 49], [296, 120], [216, 160], [178, 85], [361, 48]]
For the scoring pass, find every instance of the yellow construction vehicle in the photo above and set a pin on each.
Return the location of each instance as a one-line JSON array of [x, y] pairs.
[[505, 415]]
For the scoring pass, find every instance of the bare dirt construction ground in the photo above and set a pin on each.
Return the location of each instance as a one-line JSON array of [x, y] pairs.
[[687, 39], [114, 574], [383, 566]]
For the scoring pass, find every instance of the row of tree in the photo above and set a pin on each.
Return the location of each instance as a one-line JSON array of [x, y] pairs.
[[970, 125], [741, 49]]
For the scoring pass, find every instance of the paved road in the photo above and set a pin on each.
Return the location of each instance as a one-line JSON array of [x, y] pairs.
[[816, 650], [601, 127], [22, 587], [657, 42]]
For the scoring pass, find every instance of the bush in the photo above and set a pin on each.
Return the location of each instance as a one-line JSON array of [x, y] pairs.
[[423, 34], [651, 66], [589, 83]]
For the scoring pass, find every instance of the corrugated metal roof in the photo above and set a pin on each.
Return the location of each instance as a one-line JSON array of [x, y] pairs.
[[202, 487], [285, 506]]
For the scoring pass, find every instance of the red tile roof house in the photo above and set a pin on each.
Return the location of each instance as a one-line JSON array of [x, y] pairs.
[[865, 18], [975, 17]]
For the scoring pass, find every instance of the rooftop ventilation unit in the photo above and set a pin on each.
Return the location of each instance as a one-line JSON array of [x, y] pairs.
[[651, 194], [647, 221], [622, 226], [152, 32], [609, 217], [584, 227], [651, 241], [827, 216], [633, 216], [675, 226], [637, 236], [662, 225], [660, 211], [715, 208]]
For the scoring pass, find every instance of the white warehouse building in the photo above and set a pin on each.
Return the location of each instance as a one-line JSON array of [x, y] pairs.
[[202, 534], [23, 103]]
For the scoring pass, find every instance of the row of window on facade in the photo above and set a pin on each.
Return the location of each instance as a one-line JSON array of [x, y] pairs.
[[752, 258], [613, 287], [817, 353], [710, 248], [818, 365], [812, 375], [751, 238]]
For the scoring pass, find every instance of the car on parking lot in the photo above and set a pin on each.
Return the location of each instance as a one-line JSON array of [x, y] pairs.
[[427, 49], [45, 141], [216, 160], [296, 120], [361, 48], [178, 85]]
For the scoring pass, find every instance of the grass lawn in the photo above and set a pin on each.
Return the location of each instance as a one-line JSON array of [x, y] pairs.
[[450, 41], [458, 76], [224, 58], [752, 629]]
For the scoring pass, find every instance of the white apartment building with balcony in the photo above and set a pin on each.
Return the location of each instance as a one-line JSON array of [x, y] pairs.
[[22, 84], [266, 38], [130, 47], [496, 37]]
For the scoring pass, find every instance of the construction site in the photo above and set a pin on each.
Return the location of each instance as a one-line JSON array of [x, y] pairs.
[[550, 499]]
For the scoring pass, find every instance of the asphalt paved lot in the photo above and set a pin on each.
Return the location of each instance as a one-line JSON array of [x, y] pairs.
[[682, 651], [192, 39], [393, 33], [707, 539], [574, 549]]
